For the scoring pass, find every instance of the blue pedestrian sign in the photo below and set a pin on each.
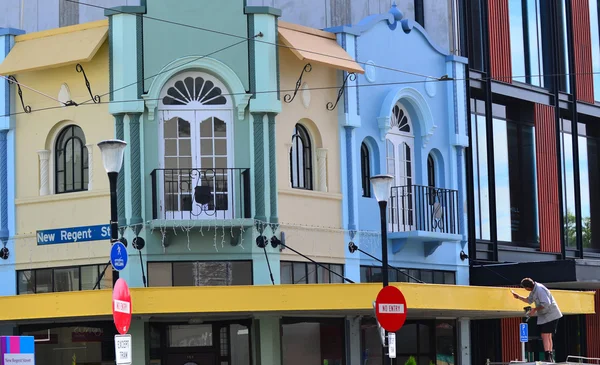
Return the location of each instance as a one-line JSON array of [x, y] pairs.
[[118, 256], [524, 332]]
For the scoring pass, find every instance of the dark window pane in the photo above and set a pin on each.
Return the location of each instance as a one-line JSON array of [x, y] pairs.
[[183, 274], [323, 274], [286, 272], [160, 274], [241, 272], [240, 344], [312, 273], [438, 277], [190, 335], [424, 339], [415, 274], [300, 273], [89, 277], [445, 338], [66, 279], [427, 276], [71, 161], [450, 278], [26, 282], [43, 281], [406, 339], [337, 269], [364, 274]]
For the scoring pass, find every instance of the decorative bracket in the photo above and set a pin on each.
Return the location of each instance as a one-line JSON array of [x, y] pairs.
[[331, 106], [95, 98], [12, 79], [287, 98]]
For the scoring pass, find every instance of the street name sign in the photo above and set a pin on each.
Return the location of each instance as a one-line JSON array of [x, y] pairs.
[[123, 349], [121, 306], [17, 350], [73, 234], [390, 308], [524, 332], [118, 256]]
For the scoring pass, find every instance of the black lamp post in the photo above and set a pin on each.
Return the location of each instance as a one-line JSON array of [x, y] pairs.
[[382, 186], [113, 151]]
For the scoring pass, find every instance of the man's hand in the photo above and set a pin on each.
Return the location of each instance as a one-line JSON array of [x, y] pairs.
[[517, 296]]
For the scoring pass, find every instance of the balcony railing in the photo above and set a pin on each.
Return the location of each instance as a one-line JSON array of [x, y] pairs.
[[423, 208], [196, 193]]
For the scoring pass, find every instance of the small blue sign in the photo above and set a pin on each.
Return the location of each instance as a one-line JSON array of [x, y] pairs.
[[73, 234], [524, 332], [118, 256]]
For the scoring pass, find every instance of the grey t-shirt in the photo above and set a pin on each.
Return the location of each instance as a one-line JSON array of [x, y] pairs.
[[541, 296]]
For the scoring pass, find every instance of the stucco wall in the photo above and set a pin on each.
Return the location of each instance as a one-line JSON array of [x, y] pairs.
[[38, 131], [304, 207]]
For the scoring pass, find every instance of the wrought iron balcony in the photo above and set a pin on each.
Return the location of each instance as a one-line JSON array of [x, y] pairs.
[[197, 194], [425, 214]]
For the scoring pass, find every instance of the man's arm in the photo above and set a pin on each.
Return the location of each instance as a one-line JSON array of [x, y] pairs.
[[521, 298]]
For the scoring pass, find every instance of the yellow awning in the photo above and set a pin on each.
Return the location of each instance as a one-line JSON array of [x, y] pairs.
[[423, 300], [55, 47], [316, 46]]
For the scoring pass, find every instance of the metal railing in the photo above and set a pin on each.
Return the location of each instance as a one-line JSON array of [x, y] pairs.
[[423, 208], [197, 193]]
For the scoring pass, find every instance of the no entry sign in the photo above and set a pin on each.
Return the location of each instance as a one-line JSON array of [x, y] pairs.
[[390, 308], [121, 306]]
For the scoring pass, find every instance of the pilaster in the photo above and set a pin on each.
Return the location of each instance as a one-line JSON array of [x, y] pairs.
[[3, 187], [272, 169], [259, 166], [125, 59], [322, 169], [353, 340], [464, 341], [7, 169], [120, 134], [44, 157], [267, 343], [140, 346], [135, 172], [90, 151]]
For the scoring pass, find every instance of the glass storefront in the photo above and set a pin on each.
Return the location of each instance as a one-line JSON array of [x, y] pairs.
[[429, 342], [313, 341], [90, 343]]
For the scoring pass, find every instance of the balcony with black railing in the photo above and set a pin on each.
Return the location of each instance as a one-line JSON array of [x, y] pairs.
[[423, 214], [201, 195]]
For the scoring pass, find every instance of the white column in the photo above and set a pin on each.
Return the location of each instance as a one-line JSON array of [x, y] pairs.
[[464, 341], [90, 151], [353, 344], [288, 149], [322, 169], [44, 156]]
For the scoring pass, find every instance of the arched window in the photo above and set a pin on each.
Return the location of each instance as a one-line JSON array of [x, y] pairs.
[[365, 170], [70, 161], [301, 159], [430, 171]]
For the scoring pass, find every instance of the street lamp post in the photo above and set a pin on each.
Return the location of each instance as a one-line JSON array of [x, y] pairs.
[[112, 151], [382, 186]]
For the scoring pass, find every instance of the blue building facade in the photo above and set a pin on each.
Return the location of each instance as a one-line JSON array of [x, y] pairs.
[[405, 117], [7, 171]]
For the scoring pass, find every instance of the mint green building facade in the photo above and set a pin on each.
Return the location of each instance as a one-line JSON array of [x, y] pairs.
[[199, 173]]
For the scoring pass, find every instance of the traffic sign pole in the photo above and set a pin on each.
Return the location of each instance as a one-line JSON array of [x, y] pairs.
[[524, 337]]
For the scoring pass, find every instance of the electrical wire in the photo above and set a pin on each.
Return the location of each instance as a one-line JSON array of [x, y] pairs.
[[354, 246], [30, 88], [246, 38], [316, 263], [357, 86]]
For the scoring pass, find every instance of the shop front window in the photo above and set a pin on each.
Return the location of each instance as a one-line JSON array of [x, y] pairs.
[[428, 342], [312, 341], [85, 343]]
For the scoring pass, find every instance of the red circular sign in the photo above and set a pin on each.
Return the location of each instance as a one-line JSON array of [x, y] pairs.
[[390, 308], [121, 306]]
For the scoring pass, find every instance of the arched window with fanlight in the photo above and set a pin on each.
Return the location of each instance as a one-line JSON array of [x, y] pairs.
[[70, 161], [365, 170], [301, 159]]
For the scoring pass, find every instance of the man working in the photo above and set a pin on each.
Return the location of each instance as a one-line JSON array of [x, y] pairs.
[[546, 309]]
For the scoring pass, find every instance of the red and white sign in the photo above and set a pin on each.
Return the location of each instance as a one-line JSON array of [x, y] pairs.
[[390, 308], [121, 306]]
